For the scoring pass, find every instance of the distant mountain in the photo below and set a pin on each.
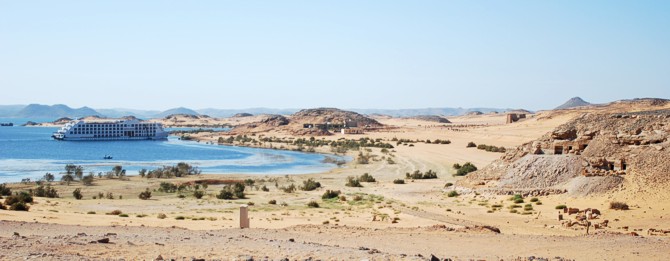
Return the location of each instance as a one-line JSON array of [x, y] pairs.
[[54, 111], [180, 110], [428, 111], [10, 110], [255, 111], [121, 112], [571, 103]]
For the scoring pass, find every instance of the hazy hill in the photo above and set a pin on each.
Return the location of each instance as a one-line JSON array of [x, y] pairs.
[[54, 111], [571, 103], [120, 112], [255, 111], [427, 111], [180, 110], [10, 110]]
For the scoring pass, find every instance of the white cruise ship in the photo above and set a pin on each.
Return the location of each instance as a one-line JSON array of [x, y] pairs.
[[111, 130]]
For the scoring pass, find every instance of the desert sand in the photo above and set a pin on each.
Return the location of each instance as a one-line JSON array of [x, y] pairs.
[[379, 221]]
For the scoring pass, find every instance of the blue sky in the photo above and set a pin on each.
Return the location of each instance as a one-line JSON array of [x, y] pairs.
[[347, 54]]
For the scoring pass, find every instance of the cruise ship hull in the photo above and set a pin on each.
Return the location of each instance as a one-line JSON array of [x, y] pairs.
[[120, 130]]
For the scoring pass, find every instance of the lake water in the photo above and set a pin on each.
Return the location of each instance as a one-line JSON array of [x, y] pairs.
[[30, 152]]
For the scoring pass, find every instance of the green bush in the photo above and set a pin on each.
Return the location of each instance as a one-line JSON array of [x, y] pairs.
[[234, 191], [398, 181], [290, 189], [452, 194], [313, 204], [88, 179], [198, 194], [123, 215], [167, 187], [457, 166], [471, 145], [430, 174], [534, 200], [179, 218], [45, 192], [265, 188], [91, 212], [309, 185], [145, 195], [449, 184], [366, 178], [19, 206], [465, 169], [561, 206], [353, 182], [330, 194], [528, 207], [4, 190], [77, 194], [272, 202]]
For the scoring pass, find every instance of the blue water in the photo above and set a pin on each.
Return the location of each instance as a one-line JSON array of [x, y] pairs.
[[29, 152]]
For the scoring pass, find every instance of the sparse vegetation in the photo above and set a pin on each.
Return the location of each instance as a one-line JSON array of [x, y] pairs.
[[77, 194], [198, 194], [517, 199], [398, 181], [313, 204], [366, 178], [234, 191], [272, 202], [145, 195], [330, 194], [19, 201], [617, 205], [180, 170], [310, 184], [561, 206], [490, 148], [353, 182], [44, 192], [471, 145], [465, 169], [452, 194], [114, 213], [430, 174], [290, 189]]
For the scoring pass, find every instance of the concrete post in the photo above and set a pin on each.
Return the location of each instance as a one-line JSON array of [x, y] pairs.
[[244, 216]]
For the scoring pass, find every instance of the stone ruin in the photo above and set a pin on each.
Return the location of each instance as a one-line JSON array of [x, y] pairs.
[[514, 117]]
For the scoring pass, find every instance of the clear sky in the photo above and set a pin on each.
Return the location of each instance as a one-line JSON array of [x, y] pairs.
[[347, 54]]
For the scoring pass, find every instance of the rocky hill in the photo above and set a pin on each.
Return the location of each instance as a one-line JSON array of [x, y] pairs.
[[54, 111], [593, 153], [431, 118], [180, 110], [572, 103], [319, 121]]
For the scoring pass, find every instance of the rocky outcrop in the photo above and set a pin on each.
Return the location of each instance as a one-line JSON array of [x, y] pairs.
[[309, 122], [593, 153], [242, 114], [572, 103], [431, 118]]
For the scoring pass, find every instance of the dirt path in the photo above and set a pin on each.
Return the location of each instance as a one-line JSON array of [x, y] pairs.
[[63, 242]]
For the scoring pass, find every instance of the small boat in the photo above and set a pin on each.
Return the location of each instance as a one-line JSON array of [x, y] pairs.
[[107, 157]]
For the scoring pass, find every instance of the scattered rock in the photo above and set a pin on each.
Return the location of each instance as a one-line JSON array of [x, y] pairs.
[[104, 240]]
